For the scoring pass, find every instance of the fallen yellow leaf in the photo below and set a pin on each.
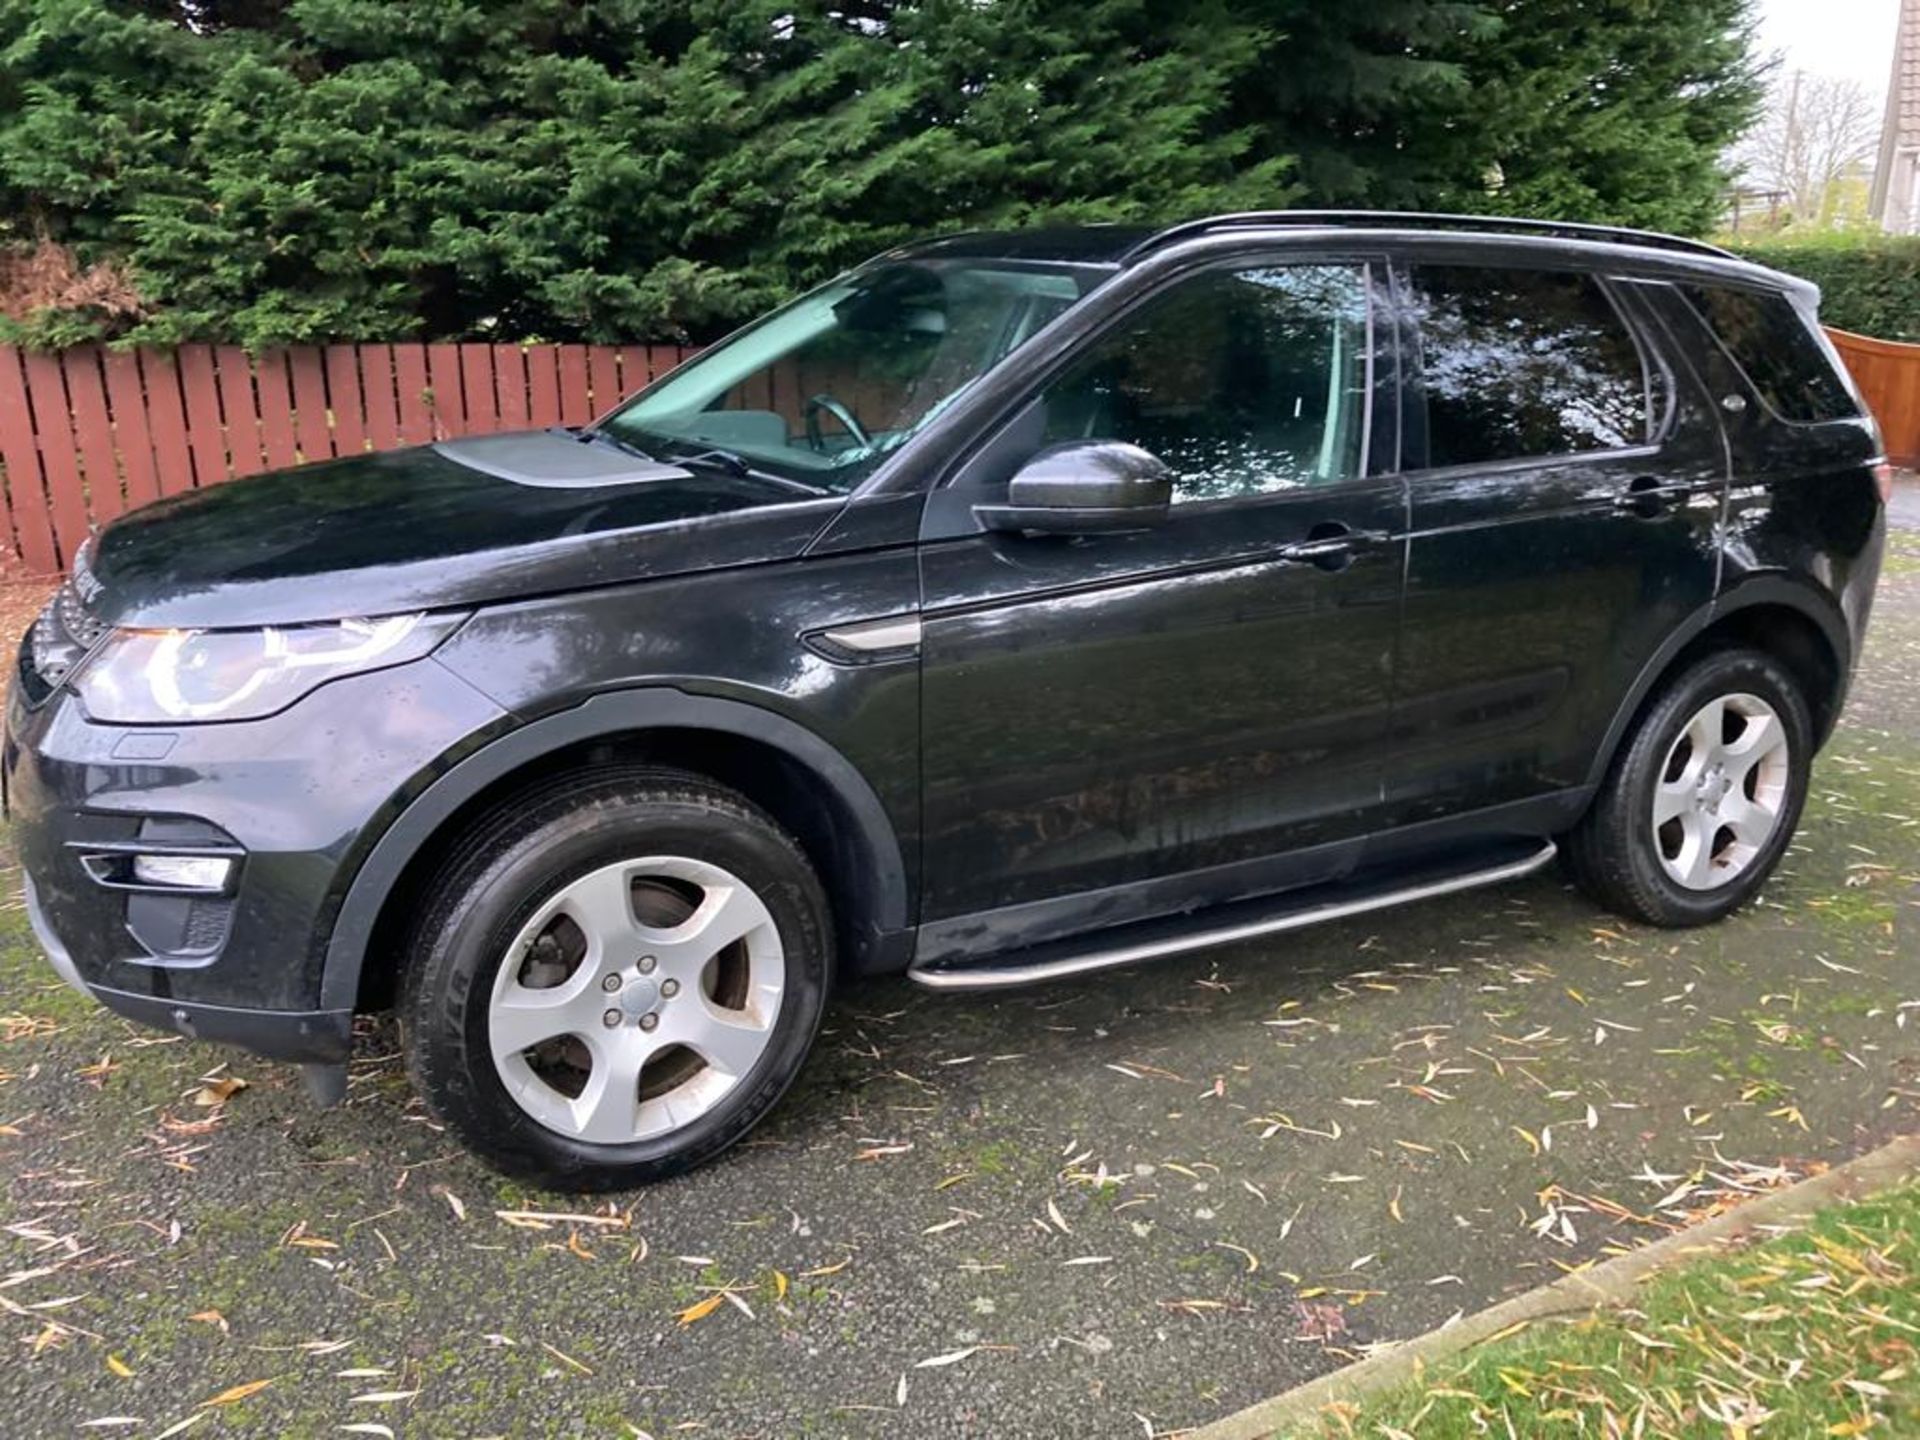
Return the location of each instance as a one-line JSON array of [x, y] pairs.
[[238, 1393], [700, 1309], [220, 1091]]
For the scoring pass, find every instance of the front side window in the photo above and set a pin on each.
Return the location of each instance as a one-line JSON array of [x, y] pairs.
[[1776, 348], [1244, 382], [821, 390], [1516, 364]]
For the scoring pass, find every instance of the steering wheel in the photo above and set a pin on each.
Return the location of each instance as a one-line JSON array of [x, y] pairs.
[[839, 412]]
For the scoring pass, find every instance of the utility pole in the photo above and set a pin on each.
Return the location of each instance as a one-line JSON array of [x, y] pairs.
[[1798, 177]]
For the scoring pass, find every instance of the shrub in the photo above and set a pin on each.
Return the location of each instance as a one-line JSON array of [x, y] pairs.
[[1868, 284], [44, 285]]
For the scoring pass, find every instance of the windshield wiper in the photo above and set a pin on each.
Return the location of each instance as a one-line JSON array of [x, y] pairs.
[[738, 466], [594, 436], [727, 460]]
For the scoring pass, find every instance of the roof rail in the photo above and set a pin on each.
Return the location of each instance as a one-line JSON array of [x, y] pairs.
[[1412, 220]]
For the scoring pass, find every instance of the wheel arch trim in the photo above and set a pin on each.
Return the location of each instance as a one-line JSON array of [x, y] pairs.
[[600, 717], [1747, 594]]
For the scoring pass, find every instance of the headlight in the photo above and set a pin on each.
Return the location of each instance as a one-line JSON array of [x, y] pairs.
[[147, 677]]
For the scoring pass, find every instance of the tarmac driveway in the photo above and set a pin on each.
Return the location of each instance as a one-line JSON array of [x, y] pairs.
[[1124, 1206]]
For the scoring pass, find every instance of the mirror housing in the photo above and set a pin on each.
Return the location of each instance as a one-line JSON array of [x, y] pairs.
[[1084, 487]]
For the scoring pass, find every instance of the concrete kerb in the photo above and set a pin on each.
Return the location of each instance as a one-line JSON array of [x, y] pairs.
[[1612, 1282]]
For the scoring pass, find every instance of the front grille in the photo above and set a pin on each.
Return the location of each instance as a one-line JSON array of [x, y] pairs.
[[58, 641]]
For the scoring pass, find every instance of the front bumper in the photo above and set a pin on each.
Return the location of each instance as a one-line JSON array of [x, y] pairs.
[[307, 1036], [294, 801]]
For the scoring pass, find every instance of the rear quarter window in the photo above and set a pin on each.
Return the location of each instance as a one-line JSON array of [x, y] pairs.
[[1775, 348]]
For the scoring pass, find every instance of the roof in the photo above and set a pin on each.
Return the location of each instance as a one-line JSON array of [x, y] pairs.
[[1067, 244], [1903, 103], [1124, 244], [1900, 130]]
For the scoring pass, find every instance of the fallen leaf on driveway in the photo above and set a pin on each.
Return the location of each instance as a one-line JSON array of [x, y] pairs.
[[1253, 1260], [952, 1357], [238, 1393], [700, 1309], [218, 1092], [565, 1358], [546, 1219]]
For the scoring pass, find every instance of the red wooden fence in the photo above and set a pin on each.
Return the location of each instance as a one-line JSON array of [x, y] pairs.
[[89, 432], [1889, 376]]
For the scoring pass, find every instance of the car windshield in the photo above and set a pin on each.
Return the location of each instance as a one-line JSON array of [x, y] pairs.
[[820, 391]]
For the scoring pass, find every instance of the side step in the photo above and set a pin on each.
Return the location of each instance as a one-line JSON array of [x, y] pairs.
[[1242, 920]]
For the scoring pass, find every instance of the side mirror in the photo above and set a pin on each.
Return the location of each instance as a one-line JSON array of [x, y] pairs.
[[1084, 487]]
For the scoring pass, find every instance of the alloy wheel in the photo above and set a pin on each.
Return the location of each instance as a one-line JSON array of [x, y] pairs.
[[636, 998], [1721, 792]]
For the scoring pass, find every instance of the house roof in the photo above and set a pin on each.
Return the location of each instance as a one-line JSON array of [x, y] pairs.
[[1900, 133], [1903, 103]]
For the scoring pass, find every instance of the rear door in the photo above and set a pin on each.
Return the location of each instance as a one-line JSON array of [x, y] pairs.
[[1565, 482], [1119, 725]]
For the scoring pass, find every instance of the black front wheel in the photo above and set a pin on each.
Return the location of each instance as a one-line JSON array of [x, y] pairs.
[[1704, 796], [615, 980]]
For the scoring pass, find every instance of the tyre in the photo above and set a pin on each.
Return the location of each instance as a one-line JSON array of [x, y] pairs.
[[1703, 797], [614, 979]]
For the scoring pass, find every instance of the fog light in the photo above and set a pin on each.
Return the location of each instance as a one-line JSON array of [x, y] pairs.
[[183, 872]]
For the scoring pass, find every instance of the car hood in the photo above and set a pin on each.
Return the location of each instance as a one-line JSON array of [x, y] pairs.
[[435, 527]]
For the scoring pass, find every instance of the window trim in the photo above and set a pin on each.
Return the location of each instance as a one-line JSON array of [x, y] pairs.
[[1382, 365], [1647, 327], [1660, 425]]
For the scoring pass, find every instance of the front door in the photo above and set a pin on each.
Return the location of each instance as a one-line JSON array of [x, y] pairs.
[[1123, 725], [1566, 486]]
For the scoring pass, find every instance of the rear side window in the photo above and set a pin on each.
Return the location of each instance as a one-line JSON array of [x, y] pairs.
[[1768, 340], [1523, 363]]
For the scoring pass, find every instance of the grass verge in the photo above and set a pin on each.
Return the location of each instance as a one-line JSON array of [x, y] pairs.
[[1814, 1333]]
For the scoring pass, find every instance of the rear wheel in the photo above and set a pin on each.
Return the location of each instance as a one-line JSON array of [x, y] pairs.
[[615, 983], [1704, 796]]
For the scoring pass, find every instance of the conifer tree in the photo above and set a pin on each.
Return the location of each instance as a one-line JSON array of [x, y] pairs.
[[269, 171]]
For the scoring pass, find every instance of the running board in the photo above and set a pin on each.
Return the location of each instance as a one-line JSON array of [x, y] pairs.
[[1243, 920]]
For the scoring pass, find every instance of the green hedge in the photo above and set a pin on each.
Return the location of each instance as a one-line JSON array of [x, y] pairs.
[[1869, 284], [265, 172]]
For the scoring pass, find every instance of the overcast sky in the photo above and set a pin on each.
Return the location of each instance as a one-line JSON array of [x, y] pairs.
[[1851, 38]]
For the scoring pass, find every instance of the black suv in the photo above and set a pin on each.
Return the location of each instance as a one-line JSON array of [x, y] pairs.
[[1012, 607]]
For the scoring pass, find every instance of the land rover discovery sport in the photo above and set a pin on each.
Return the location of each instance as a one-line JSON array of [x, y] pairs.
[[1012, 607]]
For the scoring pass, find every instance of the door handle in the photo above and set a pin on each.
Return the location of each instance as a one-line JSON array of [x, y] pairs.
[[1330, 546], [1649, 498]]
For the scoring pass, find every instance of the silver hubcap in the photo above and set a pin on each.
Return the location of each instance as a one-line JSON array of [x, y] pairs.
[[636, 998], [1721, 792]]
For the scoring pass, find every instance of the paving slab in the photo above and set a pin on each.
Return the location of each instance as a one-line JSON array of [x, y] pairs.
[[1129, 1205]]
